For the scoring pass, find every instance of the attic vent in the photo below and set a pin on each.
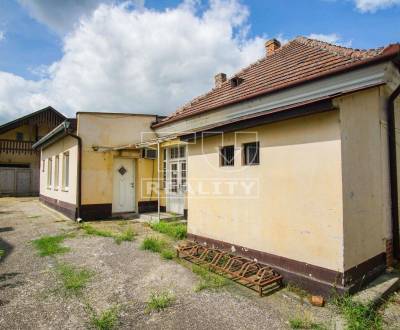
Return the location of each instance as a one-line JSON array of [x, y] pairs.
[[236, 81]]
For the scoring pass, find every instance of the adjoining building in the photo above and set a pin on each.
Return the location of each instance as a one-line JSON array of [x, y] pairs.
[[292, 162], [90, 166], [19, 162]]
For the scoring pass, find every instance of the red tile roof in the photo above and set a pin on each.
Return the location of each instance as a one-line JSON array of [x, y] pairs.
[[299, 61]]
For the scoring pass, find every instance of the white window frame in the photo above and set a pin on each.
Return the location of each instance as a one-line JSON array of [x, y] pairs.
[[49, 172], [56, 172], [164, 168], [65, 171]]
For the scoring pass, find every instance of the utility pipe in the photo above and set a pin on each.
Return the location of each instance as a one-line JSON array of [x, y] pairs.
[[79, 178], [394, 193], [158, 179]]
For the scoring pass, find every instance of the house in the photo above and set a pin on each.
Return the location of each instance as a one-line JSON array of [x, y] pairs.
[[292, 162], [19, 163], [90, 165]]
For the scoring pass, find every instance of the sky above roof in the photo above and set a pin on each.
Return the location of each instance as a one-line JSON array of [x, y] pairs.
[[152, 56]]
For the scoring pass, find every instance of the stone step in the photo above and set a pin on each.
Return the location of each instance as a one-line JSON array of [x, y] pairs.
[[379, 289]]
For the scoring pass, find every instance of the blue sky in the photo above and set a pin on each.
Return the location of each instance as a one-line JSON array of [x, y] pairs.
[[40, 50], [29, 43]]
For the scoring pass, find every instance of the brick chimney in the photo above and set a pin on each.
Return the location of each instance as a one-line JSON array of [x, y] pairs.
[[219, 79], [271, 46]]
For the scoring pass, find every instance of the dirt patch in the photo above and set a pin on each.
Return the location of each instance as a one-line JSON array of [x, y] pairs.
[[124, 278]]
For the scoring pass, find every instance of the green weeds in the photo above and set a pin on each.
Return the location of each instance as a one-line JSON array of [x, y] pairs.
[[208, 280], [153, 244], [304, 323], [159, 301], [74, 279], [158, 245], [50, 245], [168, 254], [106, 320], [357, 315], [127, 235], [174, 230]]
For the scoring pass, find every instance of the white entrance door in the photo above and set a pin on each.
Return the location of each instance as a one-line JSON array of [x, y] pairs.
[[177, 186], [124, 185]]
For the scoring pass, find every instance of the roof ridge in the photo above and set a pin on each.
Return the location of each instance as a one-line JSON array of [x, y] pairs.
[[319, 58], [338, 49]]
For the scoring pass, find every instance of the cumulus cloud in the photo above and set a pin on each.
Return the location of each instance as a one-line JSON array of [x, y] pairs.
[[374, 5], [332, 38], [2, 35], [61, 16], [127, 60], [19, 96]]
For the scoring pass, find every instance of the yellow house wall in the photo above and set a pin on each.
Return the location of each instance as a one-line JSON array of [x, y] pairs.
[[300, 191], [366, 206], [111, 130], [58, 148]]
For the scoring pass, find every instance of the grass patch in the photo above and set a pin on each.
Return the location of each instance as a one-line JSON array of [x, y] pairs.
[[304, 323], [159, 301], [74, 279], [208, 280], [50, 245], [168, 254], [174, 230], [153, 244], [357, 315], [106, 320], [127, 235], [2, 253]]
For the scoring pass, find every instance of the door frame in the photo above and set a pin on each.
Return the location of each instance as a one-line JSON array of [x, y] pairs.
[[176, 160], [134, 204]]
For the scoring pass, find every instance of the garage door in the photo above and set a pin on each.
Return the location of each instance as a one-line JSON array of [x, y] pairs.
[[16, 181]]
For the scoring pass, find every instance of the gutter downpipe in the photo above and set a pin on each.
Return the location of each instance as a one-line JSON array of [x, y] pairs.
[[79, 183], [158, 179], [394, 193]]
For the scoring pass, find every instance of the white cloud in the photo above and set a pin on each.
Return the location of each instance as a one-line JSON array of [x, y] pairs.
[[19, 96], [61, 16], [146, 61], [332, 38], [374, 5], [2, 35]]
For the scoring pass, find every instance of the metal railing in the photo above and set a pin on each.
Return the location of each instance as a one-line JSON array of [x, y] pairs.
[[16, 147]]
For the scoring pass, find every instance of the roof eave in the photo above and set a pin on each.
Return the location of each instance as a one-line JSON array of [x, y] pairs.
[[52, 136], [392, 54]]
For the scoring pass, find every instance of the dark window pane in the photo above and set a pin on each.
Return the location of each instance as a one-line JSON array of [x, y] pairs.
[[252, 153], [227, 155], [20, 136]]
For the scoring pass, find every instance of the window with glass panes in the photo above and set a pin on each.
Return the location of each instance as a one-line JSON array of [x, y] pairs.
[[227, 156], [251, 153]]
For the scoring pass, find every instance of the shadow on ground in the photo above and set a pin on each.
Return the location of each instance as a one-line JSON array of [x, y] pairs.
[[5, 246]]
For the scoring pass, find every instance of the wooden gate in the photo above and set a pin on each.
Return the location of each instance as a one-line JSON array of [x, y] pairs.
[[16, 181]]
